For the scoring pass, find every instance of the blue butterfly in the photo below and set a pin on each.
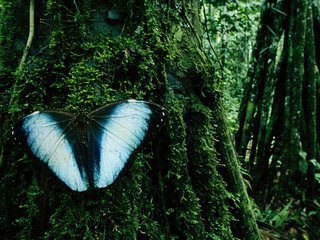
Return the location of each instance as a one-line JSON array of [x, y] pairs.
[[90, 150]]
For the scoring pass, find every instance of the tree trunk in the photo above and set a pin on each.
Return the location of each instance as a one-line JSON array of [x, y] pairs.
[[279, 115], [85, 54]]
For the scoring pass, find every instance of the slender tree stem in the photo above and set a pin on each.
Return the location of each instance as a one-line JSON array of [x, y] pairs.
[[20, 67], [30, 37], [26, 49]]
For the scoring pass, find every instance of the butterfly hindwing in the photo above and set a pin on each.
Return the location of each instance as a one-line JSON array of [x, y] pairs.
[[45, 135]]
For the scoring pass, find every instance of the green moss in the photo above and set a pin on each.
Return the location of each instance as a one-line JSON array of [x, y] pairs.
[[203, 165], [181, 197]]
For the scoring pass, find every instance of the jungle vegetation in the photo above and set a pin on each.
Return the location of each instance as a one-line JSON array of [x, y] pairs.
[[239, 155]]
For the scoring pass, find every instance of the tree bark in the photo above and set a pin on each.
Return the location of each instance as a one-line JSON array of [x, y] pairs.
[[88, 53], [249, 228]]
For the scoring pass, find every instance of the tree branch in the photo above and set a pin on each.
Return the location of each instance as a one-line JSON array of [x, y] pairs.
[[14, 90], [30, 37]]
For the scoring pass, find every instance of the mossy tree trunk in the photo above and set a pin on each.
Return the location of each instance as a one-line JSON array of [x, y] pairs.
[[279, 115], [85, 54]]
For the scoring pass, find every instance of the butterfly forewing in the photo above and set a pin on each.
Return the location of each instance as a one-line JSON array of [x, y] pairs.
[[45, 133]]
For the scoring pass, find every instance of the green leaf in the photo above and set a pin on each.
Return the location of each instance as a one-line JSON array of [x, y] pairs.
[[315, 163], [317, 177], [282, 216], [303, 154]]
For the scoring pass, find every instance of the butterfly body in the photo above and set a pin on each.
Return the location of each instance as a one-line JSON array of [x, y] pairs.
[[90, 150]]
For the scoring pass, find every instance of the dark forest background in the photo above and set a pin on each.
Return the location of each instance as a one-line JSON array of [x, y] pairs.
[[240, 83]]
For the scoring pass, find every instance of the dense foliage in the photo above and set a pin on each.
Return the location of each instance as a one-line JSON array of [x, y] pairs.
[[278, 134], [231, 28]]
